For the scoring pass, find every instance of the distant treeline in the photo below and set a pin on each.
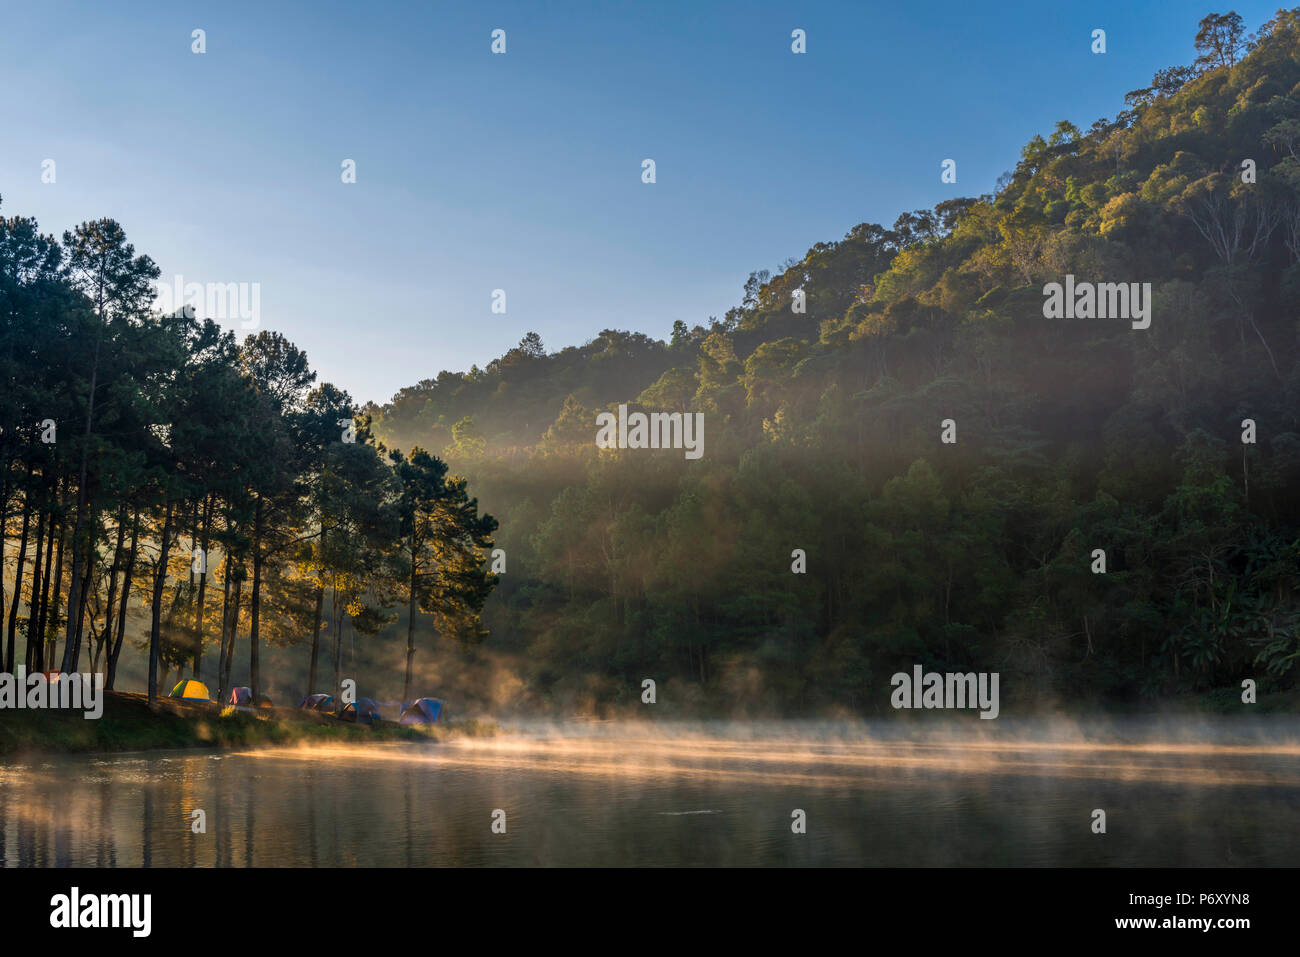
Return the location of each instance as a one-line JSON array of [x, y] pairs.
[[824, 393]]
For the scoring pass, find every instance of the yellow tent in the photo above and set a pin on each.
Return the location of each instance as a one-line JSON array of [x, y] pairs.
[[191, 690]]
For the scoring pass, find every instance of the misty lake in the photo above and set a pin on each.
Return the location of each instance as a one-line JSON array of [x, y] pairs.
[[1225, 793]]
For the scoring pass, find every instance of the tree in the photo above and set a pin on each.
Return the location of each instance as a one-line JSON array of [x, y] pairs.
[[280, 376], [531, 346], [467, 440], [1219, 40], [103, 266], [420, 482], [359, 531]]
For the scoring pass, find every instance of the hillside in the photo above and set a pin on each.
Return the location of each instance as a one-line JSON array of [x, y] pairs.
[[824, 433]]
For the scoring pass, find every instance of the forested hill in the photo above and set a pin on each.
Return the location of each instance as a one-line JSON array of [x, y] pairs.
[[823, 432]]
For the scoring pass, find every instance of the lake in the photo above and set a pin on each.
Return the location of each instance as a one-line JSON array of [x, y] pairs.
[[1221, 792]]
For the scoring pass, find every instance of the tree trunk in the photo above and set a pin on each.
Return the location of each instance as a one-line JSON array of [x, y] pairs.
[[96, 645], [43, 625], [106, 636], [9, 662], [203, 587], [160, 579], [116, 648], [410, 631], [315, 639], [34, 604], [81, 609], [74, 597], [225, 620], [255, 607], [234, 630], [4, 535], [336, 620], [54, 618]]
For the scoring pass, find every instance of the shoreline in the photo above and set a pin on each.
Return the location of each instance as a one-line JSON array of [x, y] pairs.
[[130, 724]]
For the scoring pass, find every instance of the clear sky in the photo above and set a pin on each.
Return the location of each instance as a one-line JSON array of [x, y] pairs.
[[522, 171]]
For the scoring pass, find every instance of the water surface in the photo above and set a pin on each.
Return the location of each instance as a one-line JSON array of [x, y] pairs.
[[1220, 794]]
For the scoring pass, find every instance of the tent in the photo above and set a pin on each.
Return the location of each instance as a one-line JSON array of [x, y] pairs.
[[266, 702], [242, 696], [422, 711], [191, 690], [365, 711], [316, 702]]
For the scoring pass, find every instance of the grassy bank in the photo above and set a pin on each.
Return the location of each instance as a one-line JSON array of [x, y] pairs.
[[129, 724]]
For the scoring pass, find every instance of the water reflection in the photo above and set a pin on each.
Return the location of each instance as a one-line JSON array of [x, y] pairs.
[[709, 796]]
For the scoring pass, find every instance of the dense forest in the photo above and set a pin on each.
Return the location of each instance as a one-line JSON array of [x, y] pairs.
[[156, 469], [171, 490], [823, 433]]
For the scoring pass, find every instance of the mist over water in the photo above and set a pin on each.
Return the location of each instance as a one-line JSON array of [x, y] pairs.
[[1175, 792]]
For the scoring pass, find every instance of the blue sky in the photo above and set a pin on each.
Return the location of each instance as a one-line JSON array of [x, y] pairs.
[[522, 171]]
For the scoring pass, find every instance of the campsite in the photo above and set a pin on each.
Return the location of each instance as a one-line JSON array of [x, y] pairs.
[[417, 712], [190, 718]]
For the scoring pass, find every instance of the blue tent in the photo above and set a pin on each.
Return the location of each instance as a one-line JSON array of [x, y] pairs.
[[241, 696], [422, 711], [365, 711], [317, 702]]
